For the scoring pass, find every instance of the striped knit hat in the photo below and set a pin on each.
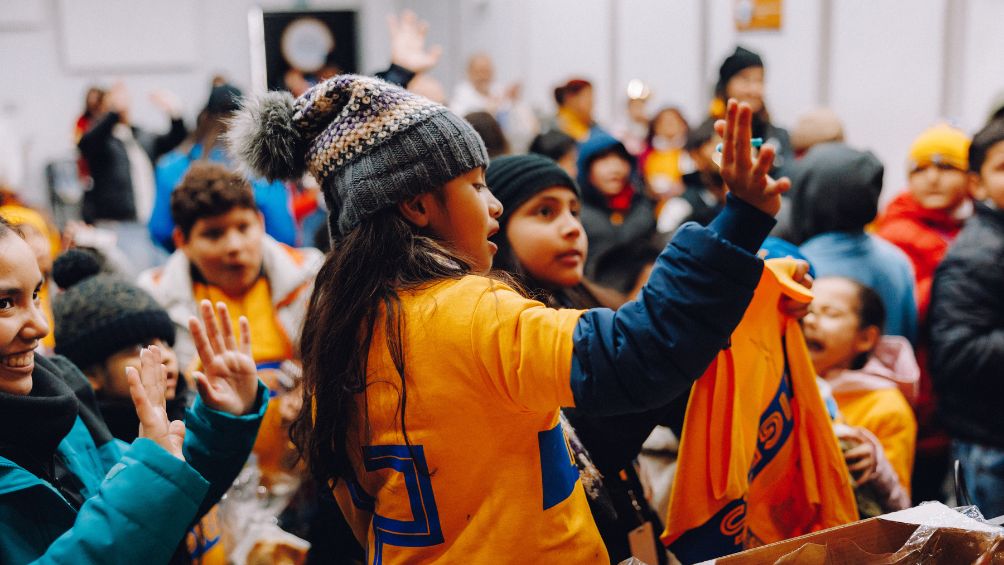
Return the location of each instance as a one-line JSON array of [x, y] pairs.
[[368, 143]]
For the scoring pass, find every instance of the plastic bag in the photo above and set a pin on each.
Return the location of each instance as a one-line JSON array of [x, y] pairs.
[[248, 513], [954, 540]]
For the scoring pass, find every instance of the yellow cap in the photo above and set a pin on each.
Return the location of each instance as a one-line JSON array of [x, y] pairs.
[[940, 145]]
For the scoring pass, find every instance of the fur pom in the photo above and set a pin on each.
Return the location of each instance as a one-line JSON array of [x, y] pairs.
[[264, 139]]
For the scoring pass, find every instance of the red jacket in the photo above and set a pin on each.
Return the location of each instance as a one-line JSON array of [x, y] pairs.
[[924, 235]]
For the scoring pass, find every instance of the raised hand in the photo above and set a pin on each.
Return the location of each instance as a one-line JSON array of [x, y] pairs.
[[166, 101], [146, 387], [747, 178], [229, 380], [407, 43]]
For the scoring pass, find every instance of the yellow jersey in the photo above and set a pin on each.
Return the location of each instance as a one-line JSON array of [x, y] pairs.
[[483, 473]]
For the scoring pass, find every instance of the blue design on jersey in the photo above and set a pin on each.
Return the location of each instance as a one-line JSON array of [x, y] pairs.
[[202, 547], [424, 529], [360, 498], [557, 467], [776, 424], [721, 535]]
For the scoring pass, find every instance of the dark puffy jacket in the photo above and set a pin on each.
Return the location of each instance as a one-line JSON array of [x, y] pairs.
[[111, 196], [605, 229], [967, 331]]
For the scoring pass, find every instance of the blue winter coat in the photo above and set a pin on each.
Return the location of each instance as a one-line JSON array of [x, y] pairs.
[[133, 493], [651, 350]]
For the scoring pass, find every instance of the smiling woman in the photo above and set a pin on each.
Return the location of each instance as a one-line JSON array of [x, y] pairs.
[[22, 322], [58, 499]]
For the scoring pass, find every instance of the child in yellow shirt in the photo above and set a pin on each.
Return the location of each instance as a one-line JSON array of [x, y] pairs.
[[432, 392], [873, 378]]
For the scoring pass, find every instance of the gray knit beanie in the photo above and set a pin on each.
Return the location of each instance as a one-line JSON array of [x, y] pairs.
[[98, 315], [368, 143]]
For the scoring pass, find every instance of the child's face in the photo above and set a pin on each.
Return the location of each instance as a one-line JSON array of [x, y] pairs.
[[939, 187], [581, 103], [110, 379], [465, 216], [226, 249], [990, 184], [832, 326], [22, 323], [609, 173], [669, 125], [548, 239], [747, 86]]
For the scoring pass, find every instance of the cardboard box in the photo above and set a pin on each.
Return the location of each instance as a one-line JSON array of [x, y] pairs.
[[955, 537]]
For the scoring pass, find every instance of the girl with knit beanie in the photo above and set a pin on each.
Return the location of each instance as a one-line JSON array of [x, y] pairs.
[[432, 392], [69, 492]]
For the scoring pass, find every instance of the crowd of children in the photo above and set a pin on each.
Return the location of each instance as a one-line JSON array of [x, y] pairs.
[[492, 338]]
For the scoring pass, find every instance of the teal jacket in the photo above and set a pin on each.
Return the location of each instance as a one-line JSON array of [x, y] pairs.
[[140, 500]]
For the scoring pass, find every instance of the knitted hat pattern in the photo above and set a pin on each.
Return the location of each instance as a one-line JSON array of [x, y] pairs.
[[368, 143], [98, 315]]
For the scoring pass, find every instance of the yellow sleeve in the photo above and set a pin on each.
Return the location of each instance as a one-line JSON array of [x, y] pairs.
[[896, 430], [524, 349]]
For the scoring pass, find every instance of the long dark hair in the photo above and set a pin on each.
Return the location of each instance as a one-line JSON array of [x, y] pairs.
[[871, 312], [357, 285]]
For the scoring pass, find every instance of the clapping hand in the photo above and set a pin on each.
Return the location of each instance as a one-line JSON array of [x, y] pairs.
[[146, 387], [747, 178], [407, 43], [229, 380]]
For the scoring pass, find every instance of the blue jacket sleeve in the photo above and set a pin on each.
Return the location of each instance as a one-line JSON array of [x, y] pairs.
[[273, 200], [161, 224], [652, 349], [148, 495], [218, 444]]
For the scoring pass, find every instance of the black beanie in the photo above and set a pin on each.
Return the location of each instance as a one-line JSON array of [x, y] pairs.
[[98, 315], [514, 179], [223, 99], [740, 59]]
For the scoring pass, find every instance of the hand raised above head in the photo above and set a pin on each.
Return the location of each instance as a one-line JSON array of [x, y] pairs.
[[407, 43], [146, 387], [748, 178], [229, 379]]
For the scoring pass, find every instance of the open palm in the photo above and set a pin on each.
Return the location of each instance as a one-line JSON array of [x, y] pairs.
[[146, 386], [228, 381]]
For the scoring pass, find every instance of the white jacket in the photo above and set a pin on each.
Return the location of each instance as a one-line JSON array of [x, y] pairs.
[[290, 273]]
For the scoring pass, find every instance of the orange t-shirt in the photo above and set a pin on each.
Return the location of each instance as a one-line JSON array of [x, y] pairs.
[[486, 475]]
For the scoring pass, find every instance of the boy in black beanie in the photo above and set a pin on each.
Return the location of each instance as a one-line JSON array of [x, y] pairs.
[[104, 323]]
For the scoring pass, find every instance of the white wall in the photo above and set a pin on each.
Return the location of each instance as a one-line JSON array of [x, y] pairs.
[[889, 68]]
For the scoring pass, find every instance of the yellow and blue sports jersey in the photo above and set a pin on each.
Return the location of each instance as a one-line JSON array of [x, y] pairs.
[[758, 459], [484, 473]]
